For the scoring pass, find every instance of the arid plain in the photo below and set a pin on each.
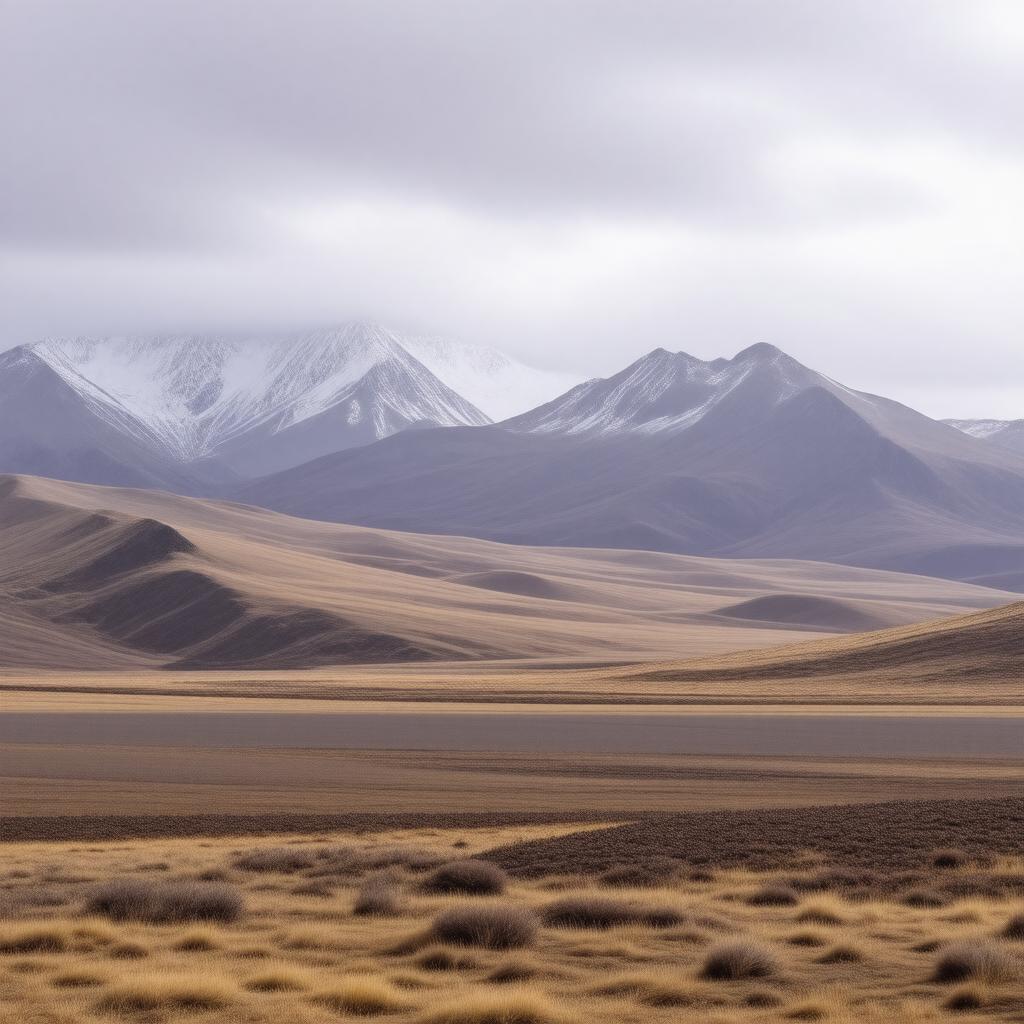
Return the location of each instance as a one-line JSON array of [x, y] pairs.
[[562, 784]]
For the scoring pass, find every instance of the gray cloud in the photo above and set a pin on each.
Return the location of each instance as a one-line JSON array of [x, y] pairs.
[[586, 175]]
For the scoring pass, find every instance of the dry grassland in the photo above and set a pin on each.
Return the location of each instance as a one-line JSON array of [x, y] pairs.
[[300, 929]]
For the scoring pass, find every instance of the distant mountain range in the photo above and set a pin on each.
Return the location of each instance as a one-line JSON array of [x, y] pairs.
[[188, 412], [753, 456]]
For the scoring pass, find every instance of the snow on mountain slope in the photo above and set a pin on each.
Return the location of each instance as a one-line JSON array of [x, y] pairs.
[[191, 396], [666, 392], [1007, 433], [493, 382]]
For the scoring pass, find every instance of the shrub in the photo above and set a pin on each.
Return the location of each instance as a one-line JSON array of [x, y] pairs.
[[969, 997], [738, 960], [470, 877], [362, 997], [166, 902], [976, 961], [283, 859], [774, 896], [600, 912], [949, 859], [1014, 928], [513, 1008], [494, 927], [378, 897]]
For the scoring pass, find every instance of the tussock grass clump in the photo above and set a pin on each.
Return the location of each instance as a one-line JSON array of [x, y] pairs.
[[512, 971], [317, 888], [510, 1008], [129, 951], [966, 998], [974, 961], [491, 927], [78, 978], [601, 912], [774, 896], [949, 858], [807, 1011], [807, 938], [281, 859], [378, 897], [469, 877], [157, 992], [132, 899], [34, 939], [842, 954], [1014, 928], [437, 958], [280, 980], [198, 942], [822, 911], [651, 989], [736, 961], [362, 997]]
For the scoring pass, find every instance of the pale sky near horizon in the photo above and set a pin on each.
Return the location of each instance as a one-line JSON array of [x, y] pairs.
[[573, 182]]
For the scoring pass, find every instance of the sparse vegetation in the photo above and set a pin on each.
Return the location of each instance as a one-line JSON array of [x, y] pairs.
[[975, 961], [601, 912], [130, 899], [499, 926], [469, 877], [34, 939], [282, 859], [362, 997], [774, 896], [737, 961], [148, 993], [694, 950], [513, 1008], [379, 896]]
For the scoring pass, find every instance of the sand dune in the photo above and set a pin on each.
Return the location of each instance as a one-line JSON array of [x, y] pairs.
[[97, 578]]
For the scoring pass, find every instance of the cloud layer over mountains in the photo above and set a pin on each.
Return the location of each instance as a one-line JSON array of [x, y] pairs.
[[575, 183]]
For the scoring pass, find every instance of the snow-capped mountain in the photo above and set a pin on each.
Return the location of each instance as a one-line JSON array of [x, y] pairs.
[[756, 455], [1008, 433], [248, 405]]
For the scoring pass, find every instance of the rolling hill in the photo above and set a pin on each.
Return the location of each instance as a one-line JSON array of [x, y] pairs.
[[974, 649], [106, 578]]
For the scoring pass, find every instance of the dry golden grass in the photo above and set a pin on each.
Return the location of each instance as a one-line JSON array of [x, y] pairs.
[[291, 959]]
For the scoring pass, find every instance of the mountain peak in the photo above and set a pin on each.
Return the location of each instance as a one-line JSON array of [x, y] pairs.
[[761, 351]]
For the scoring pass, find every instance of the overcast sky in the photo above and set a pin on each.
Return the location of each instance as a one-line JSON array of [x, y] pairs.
[[576, 183]]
